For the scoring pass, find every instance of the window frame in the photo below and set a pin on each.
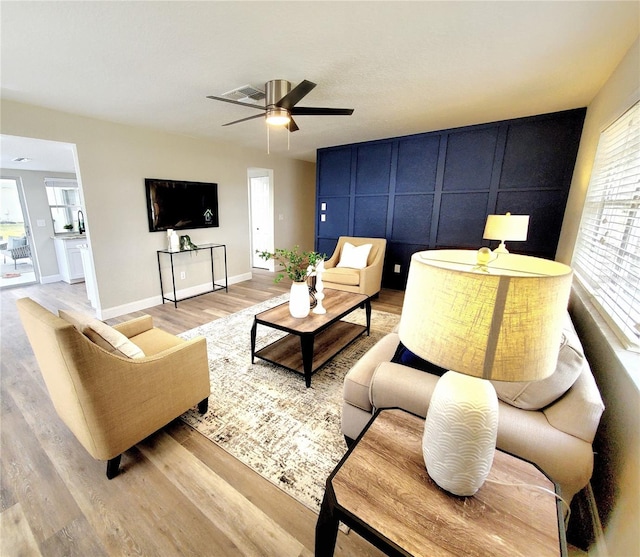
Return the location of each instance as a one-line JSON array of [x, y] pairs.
[[608, 240], [70, 210]]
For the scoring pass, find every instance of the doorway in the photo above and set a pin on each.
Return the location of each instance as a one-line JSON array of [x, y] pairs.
[[18, 256], [261, 215]]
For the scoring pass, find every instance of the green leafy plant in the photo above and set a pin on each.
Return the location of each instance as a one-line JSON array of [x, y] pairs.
[[295, 263], [68, 227]]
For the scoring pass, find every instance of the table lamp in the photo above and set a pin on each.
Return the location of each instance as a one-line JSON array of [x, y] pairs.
[[502, 323], [506, 227]]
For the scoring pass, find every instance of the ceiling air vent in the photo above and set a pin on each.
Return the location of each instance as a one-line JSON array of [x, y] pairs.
[[246, 93]]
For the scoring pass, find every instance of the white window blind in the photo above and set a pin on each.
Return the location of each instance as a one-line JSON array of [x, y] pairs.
[[607, 254]]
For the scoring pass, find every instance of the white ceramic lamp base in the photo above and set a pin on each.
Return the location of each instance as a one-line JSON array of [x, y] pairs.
[[460, 433]]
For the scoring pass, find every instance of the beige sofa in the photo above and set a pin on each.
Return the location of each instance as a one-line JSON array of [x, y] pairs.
[[114, 386], [557, 437]]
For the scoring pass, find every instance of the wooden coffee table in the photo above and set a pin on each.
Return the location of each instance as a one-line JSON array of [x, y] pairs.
[[313, 340], [381, 489]]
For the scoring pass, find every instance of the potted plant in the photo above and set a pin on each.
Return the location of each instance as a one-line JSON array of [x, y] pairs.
[[297, 266]]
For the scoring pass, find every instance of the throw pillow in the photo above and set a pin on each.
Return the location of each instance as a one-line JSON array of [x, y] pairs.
[[354, 257], [535, 395], [405, 357], [104, 336]]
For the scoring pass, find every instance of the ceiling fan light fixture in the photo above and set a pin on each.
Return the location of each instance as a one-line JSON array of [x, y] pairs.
[[278, 116]]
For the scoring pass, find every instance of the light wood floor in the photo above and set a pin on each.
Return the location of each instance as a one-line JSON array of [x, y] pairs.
[[178, 493]]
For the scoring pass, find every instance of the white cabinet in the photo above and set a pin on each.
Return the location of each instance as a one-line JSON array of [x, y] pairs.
[[70, 258], [89, 277]]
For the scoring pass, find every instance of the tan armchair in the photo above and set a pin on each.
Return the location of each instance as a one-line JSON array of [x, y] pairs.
[[362, 281], [111, 402]]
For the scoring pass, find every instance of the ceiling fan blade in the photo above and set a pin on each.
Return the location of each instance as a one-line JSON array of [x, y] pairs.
[[293, 127], [235, 102], [244, 120], [317, 111], [296, 94]]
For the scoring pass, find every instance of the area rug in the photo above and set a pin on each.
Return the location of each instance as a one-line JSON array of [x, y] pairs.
[[263, 414]]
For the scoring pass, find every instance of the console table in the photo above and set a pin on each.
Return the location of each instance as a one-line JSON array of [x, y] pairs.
[[382, 490], [215, 285]]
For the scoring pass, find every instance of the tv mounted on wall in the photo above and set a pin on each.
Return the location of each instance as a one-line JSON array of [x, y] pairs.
[[179, 204]]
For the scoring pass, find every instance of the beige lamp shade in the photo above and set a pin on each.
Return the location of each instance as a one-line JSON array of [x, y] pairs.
[[504, 324], [506, 227]]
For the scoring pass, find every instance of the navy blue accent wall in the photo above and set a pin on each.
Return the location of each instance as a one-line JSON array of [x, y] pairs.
[[435, 190]]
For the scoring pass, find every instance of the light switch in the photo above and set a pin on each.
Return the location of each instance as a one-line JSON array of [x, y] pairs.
[[323, 206], [396, 268], [323, 217]]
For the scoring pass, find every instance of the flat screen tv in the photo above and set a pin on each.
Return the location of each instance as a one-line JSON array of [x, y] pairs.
[[180, 205]]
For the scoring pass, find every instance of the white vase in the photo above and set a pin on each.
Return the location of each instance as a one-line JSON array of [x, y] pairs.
[[299, 305], [174, 241]]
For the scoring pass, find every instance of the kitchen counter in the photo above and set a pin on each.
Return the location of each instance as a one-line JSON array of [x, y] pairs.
[[69, 236]]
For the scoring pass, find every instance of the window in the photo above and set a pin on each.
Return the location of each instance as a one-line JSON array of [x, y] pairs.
[[64, 203], [607, 254]]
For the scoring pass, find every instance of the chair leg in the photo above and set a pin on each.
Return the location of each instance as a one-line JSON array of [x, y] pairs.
[[203, 406], [113, 467]]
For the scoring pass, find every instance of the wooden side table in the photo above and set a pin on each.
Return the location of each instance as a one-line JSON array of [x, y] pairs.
[[381, 490]]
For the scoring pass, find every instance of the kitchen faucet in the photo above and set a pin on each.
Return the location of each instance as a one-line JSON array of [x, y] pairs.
[[80, 222]]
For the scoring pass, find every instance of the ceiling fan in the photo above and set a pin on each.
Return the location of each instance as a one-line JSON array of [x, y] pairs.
[[280, 104]]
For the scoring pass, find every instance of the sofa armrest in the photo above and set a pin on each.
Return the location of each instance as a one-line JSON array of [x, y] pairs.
[[332, 261], [579, 410], [135, 326], [399, 386], [358, 380], [371, 278]]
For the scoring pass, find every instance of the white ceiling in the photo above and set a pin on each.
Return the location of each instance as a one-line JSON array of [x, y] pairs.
[[405, 67], [53, 156]]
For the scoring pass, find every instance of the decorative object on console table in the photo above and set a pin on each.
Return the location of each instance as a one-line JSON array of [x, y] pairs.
[[174, 241], [298, 267], [186, 243], [506, 227], [504, 325]]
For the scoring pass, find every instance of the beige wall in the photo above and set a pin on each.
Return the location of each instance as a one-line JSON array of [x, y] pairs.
[[615, 97], [113, 161], [616, 480]]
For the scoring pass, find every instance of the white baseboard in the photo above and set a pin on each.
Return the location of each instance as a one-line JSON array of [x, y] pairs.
[[50, 278], [140, 305]]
